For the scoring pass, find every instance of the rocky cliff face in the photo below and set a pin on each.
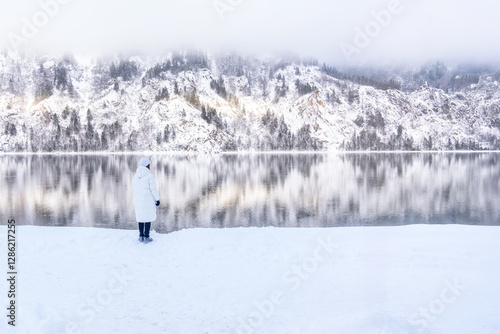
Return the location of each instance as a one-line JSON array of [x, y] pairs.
[[209, 104]]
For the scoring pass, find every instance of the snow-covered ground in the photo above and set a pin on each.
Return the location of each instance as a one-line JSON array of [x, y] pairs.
[[380, 280]]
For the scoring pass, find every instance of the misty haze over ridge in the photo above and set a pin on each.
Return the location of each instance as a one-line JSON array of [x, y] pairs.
[[436, 73], [377, 33]]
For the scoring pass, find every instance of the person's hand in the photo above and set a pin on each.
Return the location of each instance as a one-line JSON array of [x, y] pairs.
[[157, 203]]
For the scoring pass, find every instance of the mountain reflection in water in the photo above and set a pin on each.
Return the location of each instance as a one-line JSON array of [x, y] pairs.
[[240, 190]]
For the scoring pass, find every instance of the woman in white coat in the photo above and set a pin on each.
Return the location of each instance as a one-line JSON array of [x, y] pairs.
[[146, 198]]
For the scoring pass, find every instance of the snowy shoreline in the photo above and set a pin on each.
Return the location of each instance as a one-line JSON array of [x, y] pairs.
[[195, 153], [384, 280]]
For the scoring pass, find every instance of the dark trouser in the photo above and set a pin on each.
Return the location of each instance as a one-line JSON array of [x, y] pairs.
[[144, 229]]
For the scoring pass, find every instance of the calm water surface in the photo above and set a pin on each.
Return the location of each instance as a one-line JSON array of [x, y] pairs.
[[283, 190]]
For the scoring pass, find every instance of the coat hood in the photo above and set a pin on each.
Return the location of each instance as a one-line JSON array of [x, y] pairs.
[[142, 172]]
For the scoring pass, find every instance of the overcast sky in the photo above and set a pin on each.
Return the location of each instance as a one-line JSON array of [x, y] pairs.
[[338, 32]]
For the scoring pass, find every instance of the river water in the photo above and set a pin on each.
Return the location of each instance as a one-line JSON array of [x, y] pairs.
[[242, 190]]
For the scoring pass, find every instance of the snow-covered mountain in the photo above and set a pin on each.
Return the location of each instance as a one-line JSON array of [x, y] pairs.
[[192, 101]]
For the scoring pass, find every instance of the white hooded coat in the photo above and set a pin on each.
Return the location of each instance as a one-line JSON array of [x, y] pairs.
[[145, 195]]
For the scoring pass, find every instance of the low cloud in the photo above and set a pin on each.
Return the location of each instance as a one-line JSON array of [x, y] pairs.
[[420, 30]]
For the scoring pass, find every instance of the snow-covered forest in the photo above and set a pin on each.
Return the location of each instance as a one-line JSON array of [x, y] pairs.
[[194, 101]]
